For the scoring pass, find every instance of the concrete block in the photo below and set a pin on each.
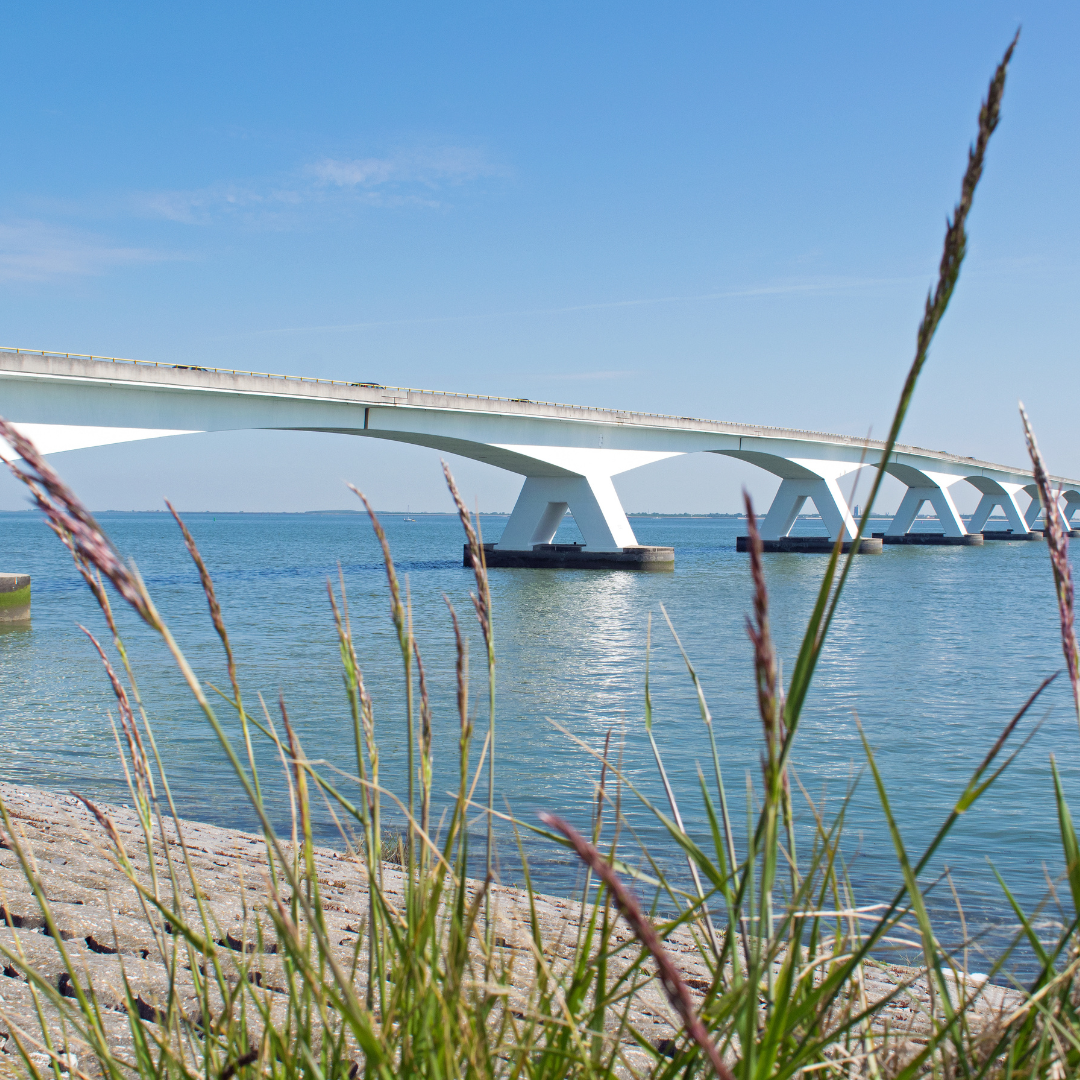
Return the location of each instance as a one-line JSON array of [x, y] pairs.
[[933, 539], [820, 545], [1008, 534], [14, 598], [578, 557]]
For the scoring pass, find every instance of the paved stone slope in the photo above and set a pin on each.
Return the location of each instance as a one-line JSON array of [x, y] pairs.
[[105, 934]]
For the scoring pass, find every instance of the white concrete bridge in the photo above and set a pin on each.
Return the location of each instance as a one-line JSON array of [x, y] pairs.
[[567, 454]]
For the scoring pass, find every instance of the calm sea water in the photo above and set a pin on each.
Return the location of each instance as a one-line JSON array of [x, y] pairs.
[[933, 649]]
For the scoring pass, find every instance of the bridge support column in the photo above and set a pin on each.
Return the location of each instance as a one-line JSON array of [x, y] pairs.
[[996, 494], [545, 499], [1035, 509], [939, 498], [827, 498], [925, 487], [1072, 505]]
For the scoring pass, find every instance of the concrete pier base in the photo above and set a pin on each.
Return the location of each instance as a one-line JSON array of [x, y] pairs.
[[820, 545], [933, 538], [1008, 534], [578, 557], [14, 598]]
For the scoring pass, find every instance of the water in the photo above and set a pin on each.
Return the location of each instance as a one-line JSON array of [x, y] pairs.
[[933, 648]]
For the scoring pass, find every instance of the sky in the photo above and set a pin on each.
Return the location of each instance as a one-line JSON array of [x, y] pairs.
[[725, 210]]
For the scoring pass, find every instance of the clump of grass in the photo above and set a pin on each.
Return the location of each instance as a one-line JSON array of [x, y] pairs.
[[429, 987], [393, 850]]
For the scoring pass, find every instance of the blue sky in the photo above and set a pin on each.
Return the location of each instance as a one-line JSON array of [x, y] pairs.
[[722, 210]]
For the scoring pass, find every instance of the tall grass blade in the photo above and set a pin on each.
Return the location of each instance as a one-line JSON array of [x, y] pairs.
[[937, 301]]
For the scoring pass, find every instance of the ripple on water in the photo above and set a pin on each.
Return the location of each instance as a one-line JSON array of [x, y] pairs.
[[932, 648]]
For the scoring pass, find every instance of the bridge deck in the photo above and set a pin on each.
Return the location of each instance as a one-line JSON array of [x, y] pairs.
[[18, 362]]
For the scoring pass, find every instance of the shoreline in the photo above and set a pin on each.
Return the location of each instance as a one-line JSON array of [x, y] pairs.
[[98, 914]]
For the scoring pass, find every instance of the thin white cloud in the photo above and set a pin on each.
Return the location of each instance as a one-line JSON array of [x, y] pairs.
[[589, 376], [404, 178], [365, 171], [818, 287], [430, 167], [37, 251], [201, 205]]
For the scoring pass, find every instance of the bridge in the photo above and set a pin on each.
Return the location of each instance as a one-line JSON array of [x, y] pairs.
[[567, 453]]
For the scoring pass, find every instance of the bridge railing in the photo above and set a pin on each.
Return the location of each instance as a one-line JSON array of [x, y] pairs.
[[747, 429], [754, 430], [344, 382]]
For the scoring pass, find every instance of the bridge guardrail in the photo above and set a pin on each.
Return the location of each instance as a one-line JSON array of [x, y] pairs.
[[332, 382], [345, 382], [760, 430]]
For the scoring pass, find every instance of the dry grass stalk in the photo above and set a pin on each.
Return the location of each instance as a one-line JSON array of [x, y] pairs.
[[1058, 543], [72, 522], [764, 653], [677, 991]]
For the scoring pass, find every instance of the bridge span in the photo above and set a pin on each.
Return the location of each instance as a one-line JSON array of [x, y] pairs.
[[567, 453]]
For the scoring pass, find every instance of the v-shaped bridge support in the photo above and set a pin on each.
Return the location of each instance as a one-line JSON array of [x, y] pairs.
[[543, 503], [824, 492], [925, 487], [801, 478], [578, 480], [994, 494]]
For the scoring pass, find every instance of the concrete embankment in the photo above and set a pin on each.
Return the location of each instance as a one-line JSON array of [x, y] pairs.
[[101, 920]]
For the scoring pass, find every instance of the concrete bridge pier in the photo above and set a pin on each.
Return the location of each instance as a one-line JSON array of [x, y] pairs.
[[591, 497], [1072, 505], [802, 479], [543, 502], [1035, 511], [925, 486], [791, 496], [997, 493]]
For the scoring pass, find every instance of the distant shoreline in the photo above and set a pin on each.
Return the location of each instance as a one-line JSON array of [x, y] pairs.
[[683, 515]]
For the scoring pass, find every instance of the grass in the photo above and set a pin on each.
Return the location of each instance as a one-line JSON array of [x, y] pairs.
[[429, 988]]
